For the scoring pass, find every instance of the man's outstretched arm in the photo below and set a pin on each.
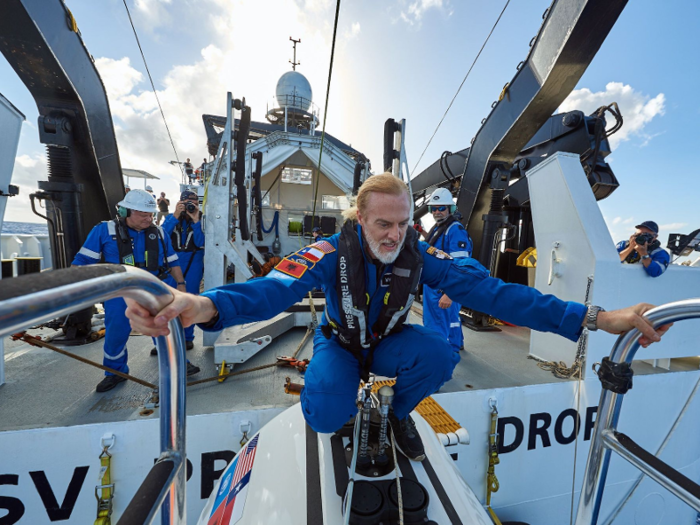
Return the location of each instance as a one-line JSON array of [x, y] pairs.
[[470, 285]]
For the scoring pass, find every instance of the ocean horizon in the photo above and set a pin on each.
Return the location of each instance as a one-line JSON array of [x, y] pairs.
[[24, 228]]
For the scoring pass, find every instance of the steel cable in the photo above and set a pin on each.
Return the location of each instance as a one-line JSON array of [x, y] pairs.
[[460, 86], [154, 89]]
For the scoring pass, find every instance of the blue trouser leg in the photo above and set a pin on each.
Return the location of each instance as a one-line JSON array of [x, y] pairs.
[[117, 330], [445, 322], [193, 279], [456, 336], [330, 385], [420, 359]]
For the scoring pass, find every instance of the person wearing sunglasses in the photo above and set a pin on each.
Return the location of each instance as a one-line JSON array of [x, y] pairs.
[[440, 313]]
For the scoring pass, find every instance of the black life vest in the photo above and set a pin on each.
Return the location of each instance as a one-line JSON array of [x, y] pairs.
[[176, 238], [438, 230], [120, 233], [354, 302]]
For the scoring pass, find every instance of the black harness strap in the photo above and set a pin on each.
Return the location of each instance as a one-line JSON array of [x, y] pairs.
[[189, 244], [352, 328], [152, 260], [438, 231]]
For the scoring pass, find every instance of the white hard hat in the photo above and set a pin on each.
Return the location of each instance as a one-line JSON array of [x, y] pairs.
[[441, 196], [126, 187], [138, 200], [148, 188]]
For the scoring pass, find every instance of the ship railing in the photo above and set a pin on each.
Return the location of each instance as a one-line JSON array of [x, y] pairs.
[[616, 375], [33, 299]]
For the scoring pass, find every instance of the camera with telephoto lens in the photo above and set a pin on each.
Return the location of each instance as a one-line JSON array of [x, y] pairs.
[[190, 207], [644, 238]]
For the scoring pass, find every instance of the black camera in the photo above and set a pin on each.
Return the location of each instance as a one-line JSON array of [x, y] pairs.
[[190, 207], [644, 238]]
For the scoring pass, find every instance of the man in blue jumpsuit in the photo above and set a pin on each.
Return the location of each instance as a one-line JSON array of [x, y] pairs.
[[184, 228], [440, 313], [370, 271], [127, 240], [644, 247]]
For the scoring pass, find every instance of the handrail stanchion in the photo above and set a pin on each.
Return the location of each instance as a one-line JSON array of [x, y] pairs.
[[172, 402], [34, 299], [606, 438]]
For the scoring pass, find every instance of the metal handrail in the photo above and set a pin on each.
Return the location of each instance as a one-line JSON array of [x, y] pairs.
[[84, 287], [606, 438]]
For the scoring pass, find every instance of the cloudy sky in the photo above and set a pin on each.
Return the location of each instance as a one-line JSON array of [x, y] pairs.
[[394, 58]]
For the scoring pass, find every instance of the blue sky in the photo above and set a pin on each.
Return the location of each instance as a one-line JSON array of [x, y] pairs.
[[395, 58]]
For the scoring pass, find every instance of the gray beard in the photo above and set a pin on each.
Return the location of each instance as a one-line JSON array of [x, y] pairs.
[[384, 259]]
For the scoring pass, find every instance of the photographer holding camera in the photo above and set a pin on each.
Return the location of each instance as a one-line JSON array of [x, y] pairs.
[[643, 246], [185, 230]]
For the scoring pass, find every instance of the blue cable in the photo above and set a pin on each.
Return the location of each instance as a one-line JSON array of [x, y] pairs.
[[275, 224]]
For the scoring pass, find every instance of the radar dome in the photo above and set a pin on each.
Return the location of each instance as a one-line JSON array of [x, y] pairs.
[[293, 90]]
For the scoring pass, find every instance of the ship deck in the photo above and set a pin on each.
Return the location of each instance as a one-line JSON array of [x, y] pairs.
[[46, 389]]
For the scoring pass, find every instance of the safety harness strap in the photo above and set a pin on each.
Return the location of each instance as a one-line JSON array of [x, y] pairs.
[[438, 230], [352, 329], [176, 238]]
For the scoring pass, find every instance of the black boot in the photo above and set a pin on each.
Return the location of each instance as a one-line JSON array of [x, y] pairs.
[[192, 369], [108, 383], [408, 440]]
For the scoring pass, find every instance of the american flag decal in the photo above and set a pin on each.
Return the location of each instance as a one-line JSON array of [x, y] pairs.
[[324, 246], [230, 499]]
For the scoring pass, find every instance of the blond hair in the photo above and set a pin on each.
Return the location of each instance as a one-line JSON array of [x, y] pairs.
[[384, 183]]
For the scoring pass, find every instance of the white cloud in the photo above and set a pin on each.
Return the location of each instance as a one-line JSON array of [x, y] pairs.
[[620, 228], [152, 13], [27, 171], [620, 220], [413, 13], [674, 227], [26, 161], [353, 31], [317, 5], [637, 109], [239, 59], [229, 63], [118, 76]]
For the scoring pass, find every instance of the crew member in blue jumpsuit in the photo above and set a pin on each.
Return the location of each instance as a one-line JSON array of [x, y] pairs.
[[440, 313], [420, 359], [653, 258], [136, 214], [184, 227]]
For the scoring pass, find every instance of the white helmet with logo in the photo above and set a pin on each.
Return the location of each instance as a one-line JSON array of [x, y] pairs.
[[441, 196], [138, 200]]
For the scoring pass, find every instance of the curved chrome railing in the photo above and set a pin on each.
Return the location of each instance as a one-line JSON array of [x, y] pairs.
[[606, 438], [36, 298]]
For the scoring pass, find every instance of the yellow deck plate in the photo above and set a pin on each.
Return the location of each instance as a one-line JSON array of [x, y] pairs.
[[430, 410]]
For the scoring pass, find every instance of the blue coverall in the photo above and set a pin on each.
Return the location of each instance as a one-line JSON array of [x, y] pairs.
[[420, 359], [98, 244], [660, 259], [193, 277], [456, 242]]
